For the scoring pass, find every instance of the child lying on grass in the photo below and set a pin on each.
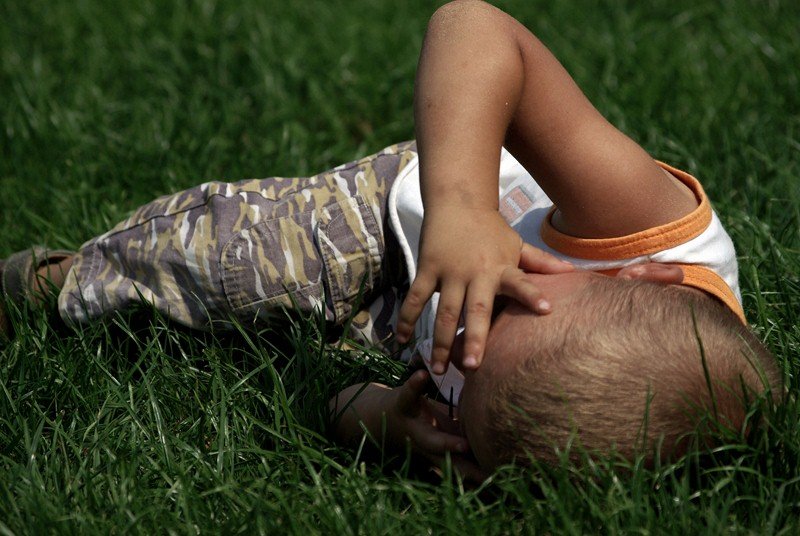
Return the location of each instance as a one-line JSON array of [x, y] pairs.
[[620, 323]]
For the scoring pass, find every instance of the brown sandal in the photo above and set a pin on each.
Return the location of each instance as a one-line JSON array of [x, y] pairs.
[[17, 276]]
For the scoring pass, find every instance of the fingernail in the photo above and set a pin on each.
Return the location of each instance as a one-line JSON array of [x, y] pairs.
[[543, 306], [471, 361], [438, 368]]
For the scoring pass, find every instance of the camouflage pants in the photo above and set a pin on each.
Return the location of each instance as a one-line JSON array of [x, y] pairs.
[[245, 251]]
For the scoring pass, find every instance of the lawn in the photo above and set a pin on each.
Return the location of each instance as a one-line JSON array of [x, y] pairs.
[[135, 425]]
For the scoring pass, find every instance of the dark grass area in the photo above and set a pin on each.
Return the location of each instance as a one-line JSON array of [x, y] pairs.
[[137, 425]]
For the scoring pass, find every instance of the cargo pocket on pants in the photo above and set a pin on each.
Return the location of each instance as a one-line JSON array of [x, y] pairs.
[[351, 243], [311, 260]]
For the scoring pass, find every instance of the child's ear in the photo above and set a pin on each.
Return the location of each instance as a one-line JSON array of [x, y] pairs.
[[667, 274]]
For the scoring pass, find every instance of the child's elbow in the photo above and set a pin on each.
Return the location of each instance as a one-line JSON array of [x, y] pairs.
[[461, 6], [461, 14]]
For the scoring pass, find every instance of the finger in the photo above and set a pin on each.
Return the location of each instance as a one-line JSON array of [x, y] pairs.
[[532, 259], [469, 469], [466, 468], [411, 393], [445, 326], [656, 272], [480, 299], [430, 440], [445, 415], [516, 284], [418, 295]]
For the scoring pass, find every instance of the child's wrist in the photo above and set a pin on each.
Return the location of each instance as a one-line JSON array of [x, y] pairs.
[[468, 206], [459, 195]]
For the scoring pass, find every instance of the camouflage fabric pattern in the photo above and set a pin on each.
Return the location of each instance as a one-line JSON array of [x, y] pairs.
[[244, 251]]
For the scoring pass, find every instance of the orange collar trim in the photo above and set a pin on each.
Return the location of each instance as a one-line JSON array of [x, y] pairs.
[[637, 244], [704, 279], [707, 280], [652, 241]]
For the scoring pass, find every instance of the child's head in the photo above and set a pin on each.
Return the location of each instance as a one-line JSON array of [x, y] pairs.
[[618, 365]]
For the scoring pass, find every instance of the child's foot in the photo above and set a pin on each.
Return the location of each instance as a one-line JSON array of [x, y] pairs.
[[29, 276]]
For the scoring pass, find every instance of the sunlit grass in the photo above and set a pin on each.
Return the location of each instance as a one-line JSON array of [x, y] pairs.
[[138, 425]]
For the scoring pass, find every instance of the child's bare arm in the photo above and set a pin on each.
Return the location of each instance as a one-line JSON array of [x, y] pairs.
[[469, 80], [483, 81]]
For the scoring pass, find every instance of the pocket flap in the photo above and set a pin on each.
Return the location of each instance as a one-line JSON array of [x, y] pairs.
[[352, 245]]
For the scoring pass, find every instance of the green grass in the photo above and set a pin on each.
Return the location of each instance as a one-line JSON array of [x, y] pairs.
[[142, 427]]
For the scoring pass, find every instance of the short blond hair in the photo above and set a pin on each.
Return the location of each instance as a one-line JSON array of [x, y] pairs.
[[635, 370]]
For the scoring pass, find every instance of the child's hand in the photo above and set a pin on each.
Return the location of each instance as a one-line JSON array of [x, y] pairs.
[[470, 255], [401, 416], [426, 425]]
